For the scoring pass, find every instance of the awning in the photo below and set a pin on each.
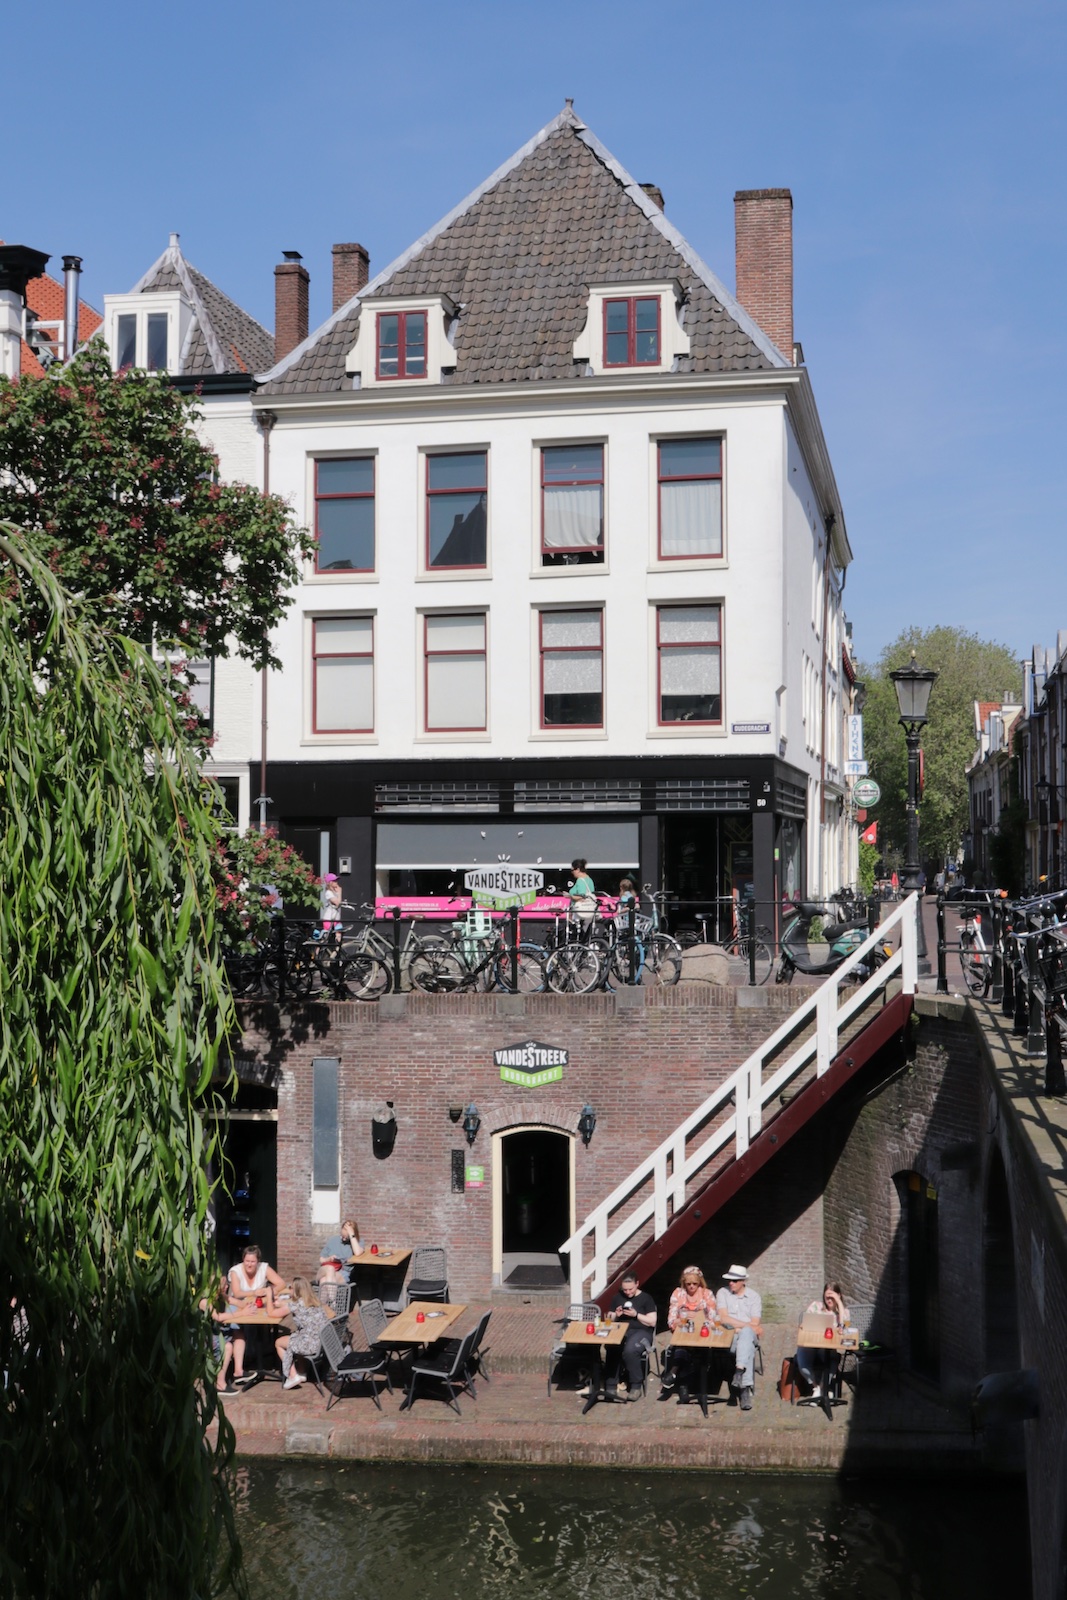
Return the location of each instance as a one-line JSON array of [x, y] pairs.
[[476, 843]]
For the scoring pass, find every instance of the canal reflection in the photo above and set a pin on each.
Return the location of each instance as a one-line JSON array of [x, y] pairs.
[[461, 1533]]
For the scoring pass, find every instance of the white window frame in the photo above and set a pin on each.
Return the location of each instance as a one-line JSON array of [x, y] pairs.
[[311, 738], [169, 303], [361, 363], [425, 734], [673, 339]]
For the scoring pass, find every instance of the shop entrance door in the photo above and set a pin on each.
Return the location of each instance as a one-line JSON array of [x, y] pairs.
[[534, 1194]]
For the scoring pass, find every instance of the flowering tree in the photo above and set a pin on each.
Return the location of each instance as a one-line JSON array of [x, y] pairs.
[[106, 474], [246, 865]]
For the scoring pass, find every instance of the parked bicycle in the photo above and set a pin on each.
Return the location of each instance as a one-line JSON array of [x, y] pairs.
[[478, 957]]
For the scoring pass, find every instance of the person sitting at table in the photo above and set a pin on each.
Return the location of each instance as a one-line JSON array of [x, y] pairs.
[[741, 1309], [632, 1306], [337, 1252], [816, 1367], [309, 1319], [223, 1333], [250, 1282], [691, 1300]]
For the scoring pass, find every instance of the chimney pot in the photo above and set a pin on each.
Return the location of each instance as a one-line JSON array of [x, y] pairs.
[[290, 304], [351, 272], [763, 222], [174, 240]]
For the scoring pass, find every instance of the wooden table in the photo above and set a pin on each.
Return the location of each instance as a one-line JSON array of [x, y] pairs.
[[404, 1329], [818, 1341], [370, 1270], [837, 1344], [391, 1256], [719, 1338], [575, 1334]]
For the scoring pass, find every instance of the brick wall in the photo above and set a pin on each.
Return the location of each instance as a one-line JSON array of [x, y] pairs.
[[763, 242], [351, 272], [290, 306]]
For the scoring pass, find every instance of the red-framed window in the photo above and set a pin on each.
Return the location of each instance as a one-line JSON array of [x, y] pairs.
[[690, 498], [631, 331], [689, 664], [572, 669], [456, 510], [455, 672], [344, 515], [401, 344], [342, 675], [572, 505]]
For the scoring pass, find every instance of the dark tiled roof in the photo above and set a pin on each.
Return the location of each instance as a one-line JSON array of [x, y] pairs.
[[519, 258], [223, 338]]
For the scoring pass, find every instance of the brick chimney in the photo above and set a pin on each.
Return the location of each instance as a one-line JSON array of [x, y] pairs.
[[763, 224], [655, 193], [290, 304], [351, 272]]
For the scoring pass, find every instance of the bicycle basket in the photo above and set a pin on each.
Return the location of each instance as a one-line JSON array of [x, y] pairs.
[[642, 924]]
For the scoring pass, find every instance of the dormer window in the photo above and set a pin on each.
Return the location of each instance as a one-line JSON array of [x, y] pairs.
[[401, 344], [631, 332], [146, 330], [403, 341], [632, 327]]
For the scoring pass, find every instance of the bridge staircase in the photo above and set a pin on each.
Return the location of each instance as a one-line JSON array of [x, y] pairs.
[[748, 1119]]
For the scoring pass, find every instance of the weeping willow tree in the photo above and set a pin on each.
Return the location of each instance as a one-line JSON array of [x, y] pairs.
[[113, 1009]]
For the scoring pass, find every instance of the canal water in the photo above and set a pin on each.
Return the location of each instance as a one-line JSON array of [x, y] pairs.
[[370, 1532]]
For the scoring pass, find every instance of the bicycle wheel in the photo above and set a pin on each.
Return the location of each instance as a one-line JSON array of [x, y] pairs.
[[437, 970], [623, 969], [663, 961], [358, 975], [573, 969], [977, 970], [764, 952], [531, 969]]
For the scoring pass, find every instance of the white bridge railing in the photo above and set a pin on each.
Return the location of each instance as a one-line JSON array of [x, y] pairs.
[[660, 1184]]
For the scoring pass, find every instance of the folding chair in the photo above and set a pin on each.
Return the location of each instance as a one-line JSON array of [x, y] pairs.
[[478, 1355], [374, 1322], [429, 1274], [352, 1366], [452, 1368]]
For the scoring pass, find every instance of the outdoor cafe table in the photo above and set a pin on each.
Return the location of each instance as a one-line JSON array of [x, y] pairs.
[[406, 1329], [717, 1339], [387, 1258], [259, 1319], [839, 1342], [576, 1334]]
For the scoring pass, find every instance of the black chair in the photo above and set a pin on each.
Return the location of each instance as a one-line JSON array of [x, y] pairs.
[[577, 1311], [429, 1274], [451, 1368], [374, 1322], [870, 1352], [478, 1356], [352, 1366]]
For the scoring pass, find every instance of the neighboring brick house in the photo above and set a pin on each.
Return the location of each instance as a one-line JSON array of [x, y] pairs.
[[581, 551], [989, 779], [45, 308]]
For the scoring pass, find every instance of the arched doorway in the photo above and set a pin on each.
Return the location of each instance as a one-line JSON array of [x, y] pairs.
[[918, 1204], [533, 1210], [998, 1274]]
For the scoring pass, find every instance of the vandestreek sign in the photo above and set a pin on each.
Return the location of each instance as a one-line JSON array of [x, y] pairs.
[[530, 1064], [501, 887]]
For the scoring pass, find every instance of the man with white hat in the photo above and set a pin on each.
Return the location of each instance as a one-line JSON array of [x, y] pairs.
[[741, 1308]]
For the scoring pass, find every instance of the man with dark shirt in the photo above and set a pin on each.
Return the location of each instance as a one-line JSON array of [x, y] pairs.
[[637, 1310]]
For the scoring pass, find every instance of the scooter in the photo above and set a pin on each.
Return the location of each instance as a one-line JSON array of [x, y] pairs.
[[842, 939]]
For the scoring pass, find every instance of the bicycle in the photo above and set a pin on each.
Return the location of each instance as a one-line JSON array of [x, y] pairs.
[[374, 941], [740, 945], [976, 960], [479, 957]]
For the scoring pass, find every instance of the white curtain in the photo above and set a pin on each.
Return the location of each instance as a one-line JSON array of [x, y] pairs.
[[690, 519], [455, 692], [573, 674], [689, 624], [569, 629], [344, 695], [690, 671], [573, 518]]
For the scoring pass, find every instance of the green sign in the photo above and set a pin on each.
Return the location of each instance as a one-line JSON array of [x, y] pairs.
[[475, 1178], [866, 792], [501, 887], [530, 1064]]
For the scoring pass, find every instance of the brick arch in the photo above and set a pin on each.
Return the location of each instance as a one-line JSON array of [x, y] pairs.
[[560, 1116]]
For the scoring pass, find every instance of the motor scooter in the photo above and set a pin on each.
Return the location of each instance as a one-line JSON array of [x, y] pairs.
[[841, 939]]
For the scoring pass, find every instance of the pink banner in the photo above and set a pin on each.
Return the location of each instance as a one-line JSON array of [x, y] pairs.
[[445, 908]]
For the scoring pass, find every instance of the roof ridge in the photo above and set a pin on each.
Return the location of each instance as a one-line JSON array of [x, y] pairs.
[[565, 118], [679, 242]]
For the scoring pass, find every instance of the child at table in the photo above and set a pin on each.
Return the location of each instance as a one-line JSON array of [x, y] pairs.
[[309, 1319]]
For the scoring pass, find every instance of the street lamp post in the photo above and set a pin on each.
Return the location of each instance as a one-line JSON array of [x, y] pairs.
[[913, 684]]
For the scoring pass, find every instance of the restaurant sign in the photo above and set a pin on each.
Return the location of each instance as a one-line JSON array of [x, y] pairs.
[[501, 887], [530, 1064]]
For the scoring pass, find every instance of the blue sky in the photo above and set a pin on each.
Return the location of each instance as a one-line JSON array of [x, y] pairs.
[[924, 144]]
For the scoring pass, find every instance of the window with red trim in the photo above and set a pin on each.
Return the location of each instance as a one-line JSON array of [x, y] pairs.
[[342, 677], [631, 331], [572, 669], [689, 664], [344, 515], [455, 665], [401, 344], [572, 505], [690, 498], [456, 509]]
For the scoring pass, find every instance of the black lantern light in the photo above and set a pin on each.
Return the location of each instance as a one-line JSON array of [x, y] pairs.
[[587, 1123], [383, 1130], [913, 684], [471, 1122]]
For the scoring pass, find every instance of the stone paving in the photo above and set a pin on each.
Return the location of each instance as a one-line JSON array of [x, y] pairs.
[[886, 1426]]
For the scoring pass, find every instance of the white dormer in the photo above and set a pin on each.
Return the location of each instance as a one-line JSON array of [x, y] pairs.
[[147, 330], [403, 341], [632, 327]]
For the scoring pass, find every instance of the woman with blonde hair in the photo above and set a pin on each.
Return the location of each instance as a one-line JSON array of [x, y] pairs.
[[691, 1299], [309, 1319]]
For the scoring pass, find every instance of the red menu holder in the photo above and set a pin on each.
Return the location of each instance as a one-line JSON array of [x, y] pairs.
[[590, 1327], [374, 1249], [420, 1316], [828, 1333], [705, 1332]]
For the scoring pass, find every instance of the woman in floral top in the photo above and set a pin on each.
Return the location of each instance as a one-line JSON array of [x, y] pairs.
[[694, 1299], [309, 1319]]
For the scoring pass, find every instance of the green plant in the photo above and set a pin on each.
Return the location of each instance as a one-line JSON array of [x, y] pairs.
[[248, 863], [113, 1013], [869, 857]]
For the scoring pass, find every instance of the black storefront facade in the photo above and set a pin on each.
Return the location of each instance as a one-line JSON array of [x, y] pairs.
[[699, 827]]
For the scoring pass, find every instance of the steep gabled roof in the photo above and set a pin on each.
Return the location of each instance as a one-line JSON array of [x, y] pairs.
[[221, 338], [46, 298], [518, 256]]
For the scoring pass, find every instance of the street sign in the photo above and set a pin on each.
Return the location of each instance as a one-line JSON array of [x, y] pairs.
[[856, 769], [855, 738], [501, 887], [866, 792]]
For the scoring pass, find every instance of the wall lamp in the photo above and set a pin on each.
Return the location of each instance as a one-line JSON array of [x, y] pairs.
[[454, 1113], [587, 1123], [471, 1122]]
